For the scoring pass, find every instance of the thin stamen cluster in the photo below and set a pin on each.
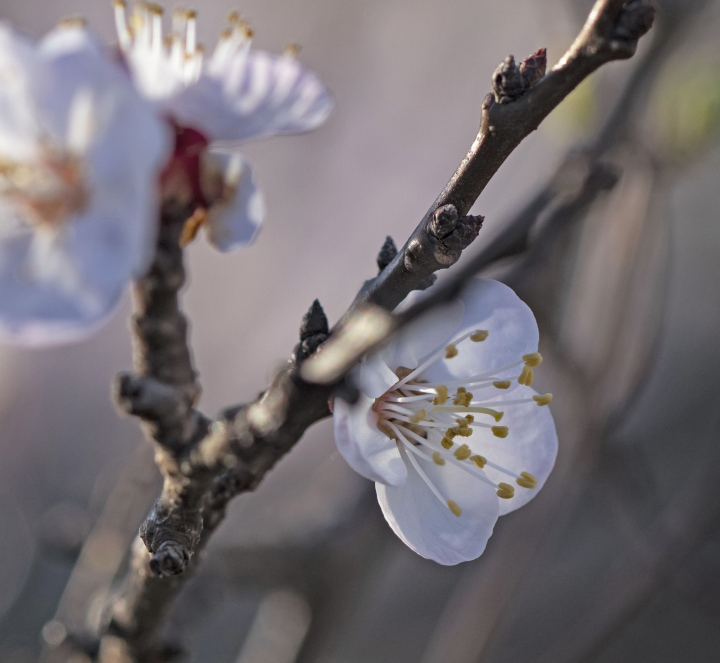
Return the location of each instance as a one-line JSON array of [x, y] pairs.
[[142, 29], [427, 418]]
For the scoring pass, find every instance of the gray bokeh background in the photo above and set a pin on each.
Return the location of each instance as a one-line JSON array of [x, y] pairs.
[[309, 550]]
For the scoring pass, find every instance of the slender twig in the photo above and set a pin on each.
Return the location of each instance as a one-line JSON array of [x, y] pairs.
[[205, 463]]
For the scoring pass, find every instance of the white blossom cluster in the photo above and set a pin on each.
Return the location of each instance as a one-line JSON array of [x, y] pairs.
[[93, 140]]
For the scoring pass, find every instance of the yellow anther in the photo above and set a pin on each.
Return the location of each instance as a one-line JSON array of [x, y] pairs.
[[463, 397], [291, 50], [461, 424], [527, 480], [505, 491], [155, 9], [442, 395], [233, 17], [119, 4], [451, 351], [72, 22], [418, 416], [480, 461], [447, 443], [479, 335], [543, 400], [463, 452], [191, 13], [502, 384], [500, 431], [437, 457], [469, 418], [533, 359], [450, 433], [454, 508], [526, 377]]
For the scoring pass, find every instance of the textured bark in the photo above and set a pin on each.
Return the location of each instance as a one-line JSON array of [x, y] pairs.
[[207, 462]]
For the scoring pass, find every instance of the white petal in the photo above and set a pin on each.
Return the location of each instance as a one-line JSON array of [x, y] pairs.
[[253, 95], [234, 223], [424, 336], [21, 76], [60, 284], [367, 450], [373, 376], [429, 527], [491, 306], [40, 312], [70, 39], [531, 446]]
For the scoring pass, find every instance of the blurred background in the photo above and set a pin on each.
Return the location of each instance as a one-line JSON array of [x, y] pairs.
[[618, 559]]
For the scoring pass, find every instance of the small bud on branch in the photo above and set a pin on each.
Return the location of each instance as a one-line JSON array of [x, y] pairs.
[[387, 253]]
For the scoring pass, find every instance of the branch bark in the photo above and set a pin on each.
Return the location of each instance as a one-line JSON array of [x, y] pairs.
[[207, 462]]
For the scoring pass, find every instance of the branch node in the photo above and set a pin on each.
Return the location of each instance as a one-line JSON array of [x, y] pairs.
[[511, 81], [170, 536], [387, 253], [314, 331], [635, 20], [447, 252], [533, 67], [444, 220], [413, 253], [507, 81]]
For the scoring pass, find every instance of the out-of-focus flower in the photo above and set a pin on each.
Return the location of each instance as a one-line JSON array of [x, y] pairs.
[[80, 157], [234, 95], [447, 424]]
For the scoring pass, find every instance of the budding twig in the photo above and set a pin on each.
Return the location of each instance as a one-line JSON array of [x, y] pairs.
[[206, 463]]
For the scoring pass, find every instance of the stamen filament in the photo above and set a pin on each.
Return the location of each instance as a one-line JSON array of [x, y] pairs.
[[496, 414], [408, 399], [445, 455], [422, 474], [431, 360], [389, 407], [436, 424]]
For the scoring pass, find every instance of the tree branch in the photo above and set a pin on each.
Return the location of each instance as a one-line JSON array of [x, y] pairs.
[[206, 463]]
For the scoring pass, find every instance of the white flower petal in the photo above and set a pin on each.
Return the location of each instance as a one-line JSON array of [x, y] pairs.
[[367, 450], [45, 311], [373, 376], [424, 336], [235, 223], [70, 39], [59, 281], [21, 76], [531, 446], [491, 306], [429, 527], [255, 95]]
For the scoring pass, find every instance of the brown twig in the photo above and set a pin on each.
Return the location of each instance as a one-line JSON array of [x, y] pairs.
[[206, 463]]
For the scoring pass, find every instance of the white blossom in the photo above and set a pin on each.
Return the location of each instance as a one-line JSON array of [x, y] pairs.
[[233, 95], [80, 157], [447, 424]]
